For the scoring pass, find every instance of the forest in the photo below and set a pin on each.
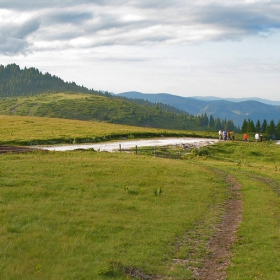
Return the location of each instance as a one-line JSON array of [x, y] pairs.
[[16, 82]]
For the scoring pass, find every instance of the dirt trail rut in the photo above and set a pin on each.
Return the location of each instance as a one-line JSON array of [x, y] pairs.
[[220, 244], [14, 149]]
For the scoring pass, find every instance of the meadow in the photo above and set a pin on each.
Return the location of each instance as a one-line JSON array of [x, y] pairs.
[[99, 215], [26, 130]]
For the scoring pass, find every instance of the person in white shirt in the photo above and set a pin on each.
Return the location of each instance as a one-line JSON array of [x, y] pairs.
[[257, 136]]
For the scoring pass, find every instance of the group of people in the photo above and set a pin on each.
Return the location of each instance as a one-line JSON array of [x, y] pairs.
[[229, 135], [226, 135], [258, 137]]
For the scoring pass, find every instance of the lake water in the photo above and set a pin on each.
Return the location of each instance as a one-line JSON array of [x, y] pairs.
[[127, 144]]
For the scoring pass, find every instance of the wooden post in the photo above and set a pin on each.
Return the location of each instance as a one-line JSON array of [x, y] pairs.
[[136, 149], [154, 151], [120, 147]]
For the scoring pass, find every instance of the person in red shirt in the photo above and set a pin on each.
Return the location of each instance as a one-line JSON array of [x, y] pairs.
[[245, 137]]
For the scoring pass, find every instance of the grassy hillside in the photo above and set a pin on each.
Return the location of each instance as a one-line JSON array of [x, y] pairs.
[[95, 107], [95, 215], [26, 130]]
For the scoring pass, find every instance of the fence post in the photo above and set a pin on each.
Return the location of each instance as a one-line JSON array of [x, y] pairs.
[[120, 147], [154, 151], [136, 149]]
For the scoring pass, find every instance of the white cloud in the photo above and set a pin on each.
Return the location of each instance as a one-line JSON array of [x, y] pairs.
[[144, 22]]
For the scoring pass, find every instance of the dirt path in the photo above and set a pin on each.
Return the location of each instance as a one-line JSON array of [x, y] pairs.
[[14, 149], [220, 244]]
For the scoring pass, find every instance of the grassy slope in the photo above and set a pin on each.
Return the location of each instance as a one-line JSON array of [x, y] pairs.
[[93, 107], [256, 166], [87, 215], [36, 130]]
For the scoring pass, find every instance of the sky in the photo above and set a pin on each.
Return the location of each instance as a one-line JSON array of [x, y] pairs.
[[183, 47]]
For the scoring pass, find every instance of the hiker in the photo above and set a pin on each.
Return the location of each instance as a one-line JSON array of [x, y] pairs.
[[245, 137], [228, 136], [257, 136], [225, 135], [220, 134], [261, 137]]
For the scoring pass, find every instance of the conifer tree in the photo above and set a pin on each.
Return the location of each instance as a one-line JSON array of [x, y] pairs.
[[244, 126], [258, 126], [264, 125]]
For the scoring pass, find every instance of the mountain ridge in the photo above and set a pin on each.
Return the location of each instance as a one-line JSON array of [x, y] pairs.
[[219, 107], [211, 98]]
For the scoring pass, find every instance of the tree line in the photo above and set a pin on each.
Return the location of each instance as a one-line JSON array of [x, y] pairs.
[[16, 82], [215, 124], [270, 130]]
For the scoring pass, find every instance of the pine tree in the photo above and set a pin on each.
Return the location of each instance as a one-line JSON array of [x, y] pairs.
[[218, 124], [211, 122], [251, 126], [244, 126], [258, 126], [277, 130], [271, 129], [264, 125]]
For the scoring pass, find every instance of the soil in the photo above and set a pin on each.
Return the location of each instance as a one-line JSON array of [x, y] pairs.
[[220, 244], [14, 149]]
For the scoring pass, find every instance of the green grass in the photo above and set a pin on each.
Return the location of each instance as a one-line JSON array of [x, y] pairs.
[[257, 249], [83, 215], [256, 167], [22, 130], [98, 215]]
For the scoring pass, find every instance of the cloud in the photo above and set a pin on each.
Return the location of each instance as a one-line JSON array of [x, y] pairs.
[[239, 20], [90, 24], [13, 46], [14, 37], [68, 17], [31, 5]]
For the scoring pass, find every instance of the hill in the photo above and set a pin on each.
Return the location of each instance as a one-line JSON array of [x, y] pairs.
[[29, 92], [81, 106], [224, 109], [28, 81]]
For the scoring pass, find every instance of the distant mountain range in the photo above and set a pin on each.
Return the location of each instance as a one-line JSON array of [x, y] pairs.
[[213, 98], [228, 108], [20, 87]]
